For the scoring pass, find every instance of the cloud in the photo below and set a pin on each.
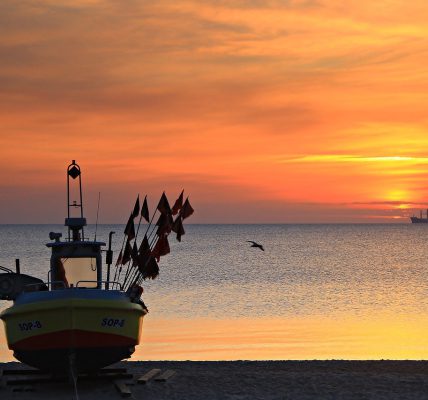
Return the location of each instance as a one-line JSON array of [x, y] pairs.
[[274, 101], [347, 158]]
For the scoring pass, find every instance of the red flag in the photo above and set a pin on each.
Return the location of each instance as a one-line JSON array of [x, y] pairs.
[[156, 252], [178, 204], [163, 205], [178, 228], [127, 253], [119, 259], [150, 268], [136, 208], [186, 210], [164, 224], [130, 229], [145, 210], [161, 248]]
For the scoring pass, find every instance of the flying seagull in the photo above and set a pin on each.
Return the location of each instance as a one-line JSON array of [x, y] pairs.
[[254, 244]]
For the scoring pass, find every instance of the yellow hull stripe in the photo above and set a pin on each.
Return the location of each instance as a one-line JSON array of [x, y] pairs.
[[100, 316]]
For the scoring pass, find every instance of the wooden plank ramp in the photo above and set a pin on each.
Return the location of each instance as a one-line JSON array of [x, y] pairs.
[[123, 388], [148, 375], [23, 389], [165, 375], [22, 371]]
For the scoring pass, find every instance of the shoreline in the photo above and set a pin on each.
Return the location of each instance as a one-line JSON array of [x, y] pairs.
[[383, 379]]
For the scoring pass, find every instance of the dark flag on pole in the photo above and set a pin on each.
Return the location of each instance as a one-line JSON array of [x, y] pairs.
[[130, 229], [178, 228], [144, 246], [136, 208], [164, 224], [161, 248], [163, 205], [145, 210], [134, 255], [186, 210], [119, 259], [143, 253], [152, 269], [178, 204], [148, 267], [127, 253]]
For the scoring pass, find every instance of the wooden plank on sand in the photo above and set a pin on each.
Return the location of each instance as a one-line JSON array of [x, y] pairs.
[[112, 371], [30, 381], [148, 375], [22, 371], [165, 375], [23, 389], [123, 389]]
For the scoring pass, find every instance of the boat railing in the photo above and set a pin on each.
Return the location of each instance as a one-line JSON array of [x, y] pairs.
[[35, 287], [40, 286], [8, 270], [99, 283], [55, 285]]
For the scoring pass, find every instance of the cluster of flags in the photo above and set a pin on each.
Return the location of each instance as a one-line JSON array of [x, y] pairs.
[[142, 261]]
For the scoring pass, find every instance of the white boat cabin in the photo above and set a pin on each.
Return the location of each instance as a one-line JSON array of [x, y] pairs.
[[76, 262]]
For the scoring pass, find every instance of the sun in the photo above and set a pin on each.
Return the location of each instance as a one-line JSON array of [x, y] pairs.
[[401, 199], [398, 195]]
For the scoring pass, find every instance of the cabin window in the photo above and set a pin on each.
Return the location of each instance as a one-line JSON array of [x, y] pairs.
[[80, 269]]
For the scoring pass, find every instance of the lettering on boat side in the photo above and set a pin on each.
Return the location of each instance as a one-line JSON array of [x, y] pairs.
[[113, 323], [29, 326]]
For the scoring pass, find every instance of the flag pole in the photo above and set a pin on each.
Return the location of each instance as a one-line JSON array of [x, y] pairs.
[[128, 270], [163, 199], [137, 275], [148, 227], [134, 275], [116, 266], [128, 267]]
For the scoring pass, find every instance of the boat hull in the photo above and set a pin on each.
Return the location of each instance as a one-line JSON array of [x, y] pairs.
[[96, 327], [89, 359], [417, 220]]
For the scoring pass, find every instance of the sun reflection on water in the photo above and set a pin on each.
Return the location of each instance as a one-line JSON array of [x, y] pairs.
[[283, 338]]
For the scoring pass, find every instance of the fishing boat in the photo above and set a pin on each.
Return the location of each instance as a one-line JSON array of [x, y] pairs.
[[80, 319], [420, 219]]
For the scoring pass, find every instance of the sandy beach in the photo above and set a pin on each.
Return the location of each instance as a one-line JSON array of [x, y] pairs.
[[251, 380]]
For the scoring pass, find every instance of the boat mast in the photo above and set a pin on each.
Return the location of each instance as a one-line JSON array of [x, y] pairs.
[[75, 224]]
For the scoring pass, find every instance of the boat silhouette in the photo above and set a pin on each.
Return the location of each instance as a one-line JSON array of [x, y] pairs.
[[76, 320], [419, 220]]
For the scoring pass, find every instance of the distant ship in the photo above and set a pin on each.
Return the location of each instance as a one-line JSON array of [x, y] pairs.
[[419, 220]]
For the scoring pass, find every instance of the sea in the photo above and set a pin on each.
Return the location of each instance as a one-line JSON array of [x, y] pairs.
[[322, 291]]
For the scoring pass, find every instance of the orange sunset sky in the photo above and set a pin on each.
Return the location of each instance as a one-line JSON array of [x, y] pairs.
[[263, 111]]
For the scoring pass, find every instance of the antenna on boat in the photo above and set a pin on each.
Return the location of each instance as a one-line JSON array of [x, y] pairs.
[[109, 259], [98, 210], [75, 224]]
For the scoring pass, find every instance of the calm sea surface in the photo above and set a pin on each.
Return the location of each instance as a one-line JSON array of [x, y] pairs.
[[317, 292]]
